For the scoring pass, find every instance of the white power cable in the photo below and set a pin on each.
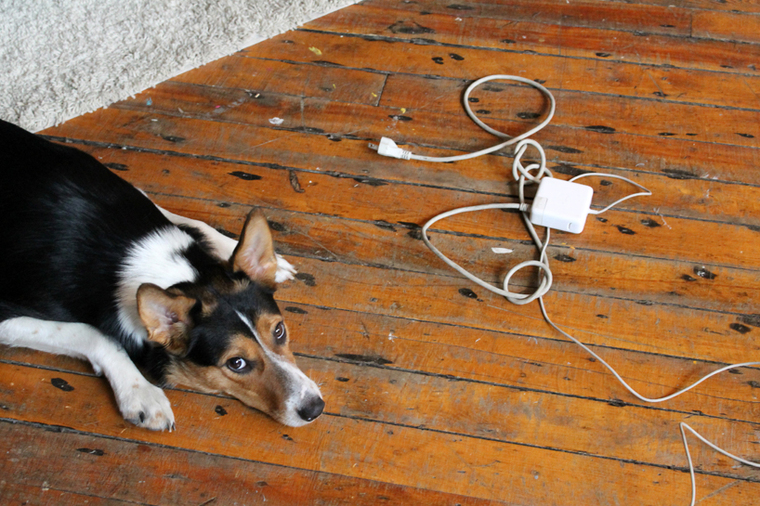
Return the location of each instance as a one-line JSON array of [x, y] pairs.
[[684, 426], [645, 193], [523, 176], [389, 148]]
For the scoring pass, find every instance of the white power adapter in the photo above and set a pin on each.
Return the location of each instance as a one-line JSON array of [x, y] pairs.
[[561, 205]]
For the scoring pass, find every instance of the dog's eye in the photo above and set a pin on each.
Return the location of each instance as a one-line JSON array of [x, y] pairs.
[[280, 334], [238, 364]]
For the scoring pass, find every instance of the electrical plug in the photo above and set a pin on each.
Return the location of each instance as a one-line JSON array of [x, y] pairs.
[[389, 148]]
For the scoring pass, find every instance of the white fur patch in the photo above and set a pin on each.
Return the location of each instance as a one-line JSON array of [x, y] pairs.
[[225, 246], [154, 259], [285, 270], [140, 402]]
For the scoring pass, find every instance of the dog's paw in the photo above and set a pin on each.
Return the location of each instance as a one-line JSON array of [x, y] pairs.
[[146, 406], [285, 270]]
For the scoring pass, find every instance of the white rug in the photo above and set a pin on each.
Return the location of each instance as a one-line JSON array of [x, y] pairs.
[[62, 58]]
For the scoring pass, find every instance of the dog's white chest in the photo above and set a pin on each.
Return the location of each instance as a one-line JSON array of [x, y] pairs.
[[157, 259]]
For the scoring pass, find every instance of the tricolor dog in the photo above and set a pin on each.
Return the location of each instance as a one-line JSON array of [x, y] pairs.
[[91, 268]]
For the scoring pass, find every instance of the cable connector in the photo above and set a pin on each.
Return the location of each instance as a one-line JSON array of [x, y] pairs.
[[389, 148]]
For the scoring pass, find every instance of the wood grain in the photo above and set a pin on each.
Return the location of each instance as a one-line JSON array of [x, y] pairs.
[[547, 30], [473, 460], [76, 462], [593, 269]]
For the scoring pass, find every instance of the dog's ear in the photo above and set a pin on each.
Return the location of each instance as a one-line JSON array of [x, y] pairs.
[[254, 254], [166, 317]]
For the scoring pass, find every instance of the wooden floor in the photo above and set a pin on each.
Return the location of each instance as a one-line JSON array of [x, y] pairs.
[[439, 392]]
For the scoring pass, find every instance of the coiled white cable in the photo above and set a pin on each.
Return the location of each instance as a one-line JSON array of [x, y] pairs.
[[388, 148], [523, 176]]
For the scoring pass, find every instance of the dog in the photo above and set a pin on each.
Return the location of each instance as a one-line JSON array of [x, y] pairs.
[[91, 268]]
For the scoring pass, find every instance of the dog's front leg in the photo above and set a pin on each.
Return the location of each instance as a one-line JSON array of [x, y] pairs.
[[139, 401], [224, 245]]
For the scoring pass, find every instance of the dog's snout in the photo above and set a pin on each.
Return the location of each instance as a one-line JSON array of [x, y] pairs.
[[311, 409]]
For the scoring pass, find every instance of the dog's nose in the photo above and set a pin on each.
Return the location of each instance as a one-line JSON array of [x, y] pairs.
[[311, 409]]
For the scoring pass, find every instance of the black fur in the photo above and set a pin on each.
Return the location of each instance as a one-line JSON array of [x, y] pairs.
[[66, 224]]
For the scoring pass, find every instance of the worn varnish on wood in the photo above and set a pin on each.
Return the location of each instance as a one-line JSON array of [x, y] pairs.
[[439, 392]]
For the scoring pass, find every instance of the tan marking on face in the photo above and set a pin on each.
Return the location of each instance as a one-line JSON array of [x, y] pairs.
[[208, 306], [266, 326], [264, 387]]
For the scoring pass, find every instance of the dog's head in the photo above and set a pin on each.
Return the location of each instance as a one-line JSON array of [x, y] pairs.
[[225, 334]]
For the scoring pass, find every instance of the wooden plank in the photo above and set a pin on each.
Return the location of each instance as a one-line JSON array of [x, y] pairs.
[[592, 272], [596, 13], [678, 159], [683, 7], [461, 291], [516, 416], [495, 102], [259, 77], [622, 231], [289, 225], [50, 467], [487, 465], [410, 120], [500, 100], [589, 270], [39, 495], [689, 333], [697, 198], [731, 26], [518, 32], [503, 358], [556, 72], [490, 359], [747, 6]]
